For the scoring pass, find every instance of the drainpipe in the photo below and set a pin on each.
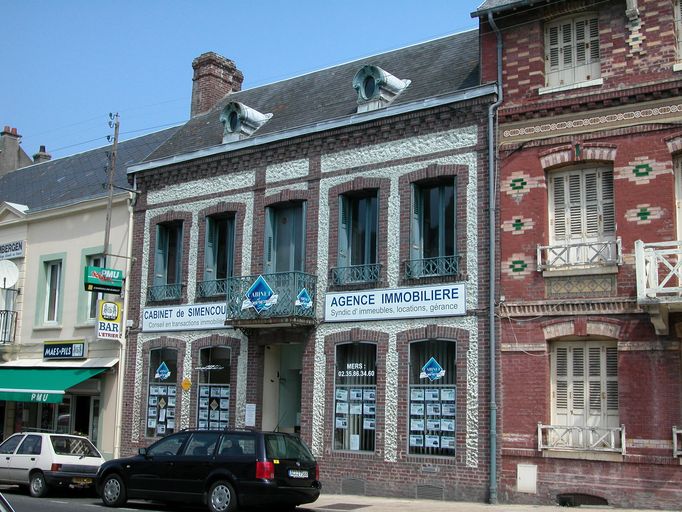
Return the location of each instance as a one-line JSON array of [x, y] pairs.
[[492, 164]]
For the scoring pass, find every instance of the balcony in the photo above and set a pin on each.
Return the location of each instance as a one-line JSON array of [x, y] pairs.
[[164, 292], [590, 257], [8, 326], [356, 274], [659, 280], [432, 267], [282, 299], [581, 439], [214, 288]]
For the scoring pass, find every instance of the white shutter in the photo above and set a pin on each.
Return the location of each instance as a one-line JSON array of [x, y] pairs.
[[572, 51], [269, 241], [592, 206], [161, 256], [560, 374], [343, 239], [575, 207], [608, 214], [611, 378], [558, 217], [416, 250]]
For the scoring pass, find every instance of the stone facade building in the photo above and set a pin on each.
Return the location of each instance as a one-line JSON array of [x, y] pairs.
[[338, 221], [589, 195]]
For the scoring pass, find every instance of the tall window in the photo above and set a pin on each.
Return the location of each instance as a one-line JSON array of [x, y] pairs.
[[94, 260], [433, 397], [168, 261], [357, 251], [285, 238], [572, 51], [355, 397], [582, 212], [218, 255], [214, 388], [433, 248], [53, 274], [161, 399], [585, 384]]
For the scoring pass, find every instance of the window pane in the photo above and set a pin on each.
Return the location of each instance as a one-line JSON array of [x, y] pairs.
[[433, 398], [213, 411], [201, 444], [174, 254], [161, 397], [363, 230], [94, 261], [430, 225], [53, 279], [355, 397], [169, 446]]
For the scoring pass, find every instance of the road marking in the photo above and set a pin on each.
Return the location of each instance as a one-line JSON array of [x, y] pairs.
[[61, 502]]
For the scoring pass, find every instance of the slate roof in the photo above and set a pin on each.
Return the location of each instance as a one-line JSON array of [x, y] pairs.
[[75, 178], [436, 68], [503, 5]]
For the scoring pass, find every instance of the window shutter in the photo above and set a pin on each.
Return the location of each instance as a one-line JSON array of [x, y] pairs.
[[552, 45], [578, 381], [561, 385], [302, 237], [612, 380], [344, 223], [593, 28], [575, 207], [416, 251], [230, 246], [210, 250], [608, 214], [160, 258], [592, 206], [559, 217], [595, 379], [268, 251]]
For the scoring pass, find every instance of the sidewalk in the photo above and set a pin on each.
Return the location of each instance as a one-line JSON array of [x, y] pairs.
[[350, 503]]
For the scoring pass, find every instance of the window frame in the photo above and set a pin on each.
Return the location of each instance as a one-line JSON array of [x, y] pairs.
[[162, 250], [43, 290], [213, 249], [297, 250]]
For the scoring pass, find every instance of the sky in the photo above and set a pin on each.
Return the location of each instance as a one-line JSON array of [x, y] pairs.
[[68, 64]]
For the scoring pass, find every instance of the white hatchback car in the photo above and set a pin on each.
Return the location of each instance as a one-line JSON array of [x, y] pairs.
[[41, 461]]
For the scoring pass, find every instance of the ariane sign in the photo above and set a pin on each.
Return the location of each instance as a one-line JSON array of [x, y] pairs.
[[71, 349], [191, 317], [396, 303], [106, 280]]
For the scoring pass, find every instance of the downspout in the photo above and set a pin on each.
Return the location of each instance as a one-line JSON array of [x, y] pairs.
[[492, 164]]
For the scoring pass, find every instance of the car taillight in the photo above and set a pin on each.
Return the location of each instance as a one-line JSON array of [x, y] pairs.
[[265, 470], [55, 467], [317, 472]]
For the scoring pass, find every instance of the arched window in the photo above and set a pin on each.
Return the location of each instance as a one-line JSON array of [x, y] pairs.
[[163, 378]]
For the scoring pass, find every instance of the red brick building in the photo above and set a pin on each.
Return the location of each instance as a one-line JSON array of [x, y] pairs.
[[589, 195], [312, 257]]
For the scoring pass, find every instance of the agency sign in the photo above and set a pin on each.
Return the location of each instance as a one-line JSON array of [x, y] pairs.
[[396, 303]]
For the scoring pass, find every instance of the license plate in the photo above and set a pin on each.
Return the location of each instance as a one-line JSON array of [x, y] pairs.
[[82, 481], [297, 473]]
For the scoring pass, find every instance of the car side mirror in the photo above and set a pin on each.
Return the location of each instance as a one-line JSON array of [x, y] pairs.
[[142, 451]]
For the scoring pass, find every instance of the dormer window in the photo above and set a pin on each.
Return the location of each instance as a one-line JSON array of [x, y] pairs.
[[376, 88], [240, 121]]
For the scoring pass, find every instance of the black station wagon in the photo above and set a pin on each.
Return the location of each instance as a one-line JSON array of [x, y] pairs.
[[222, 469]]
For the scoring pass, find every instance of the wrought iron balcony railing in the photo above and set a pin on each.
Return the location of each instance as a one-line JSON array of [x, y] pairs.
[[285, 295], [659, 272], [164, 292], [8, 326], [565, 438], [602, 253], [355, 274], [430, 267], [215, 288]]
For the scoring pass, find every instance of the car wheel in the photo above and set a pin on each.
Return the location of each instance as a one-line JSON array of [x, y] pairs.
[[113, 491], [222, 498], [37, 486]]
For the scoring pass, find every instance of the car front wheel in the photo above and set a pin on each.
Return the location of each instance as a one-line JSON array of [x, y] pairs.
[[113, 491], [222, 498], [37, 485]]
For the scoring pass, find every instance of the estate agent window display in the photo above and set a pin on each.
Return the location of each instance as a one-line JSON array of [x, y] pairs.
[[213, 411], [432, 398], [355, 397], [162, 395]]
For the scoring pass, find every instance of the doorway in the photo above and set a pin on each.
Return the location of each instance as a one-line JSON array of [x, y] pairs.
[[282, 387]]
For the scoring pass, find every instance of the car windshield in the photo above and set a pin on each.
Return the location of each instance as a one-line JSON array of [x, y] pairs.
[[68, 445], [279, 446]]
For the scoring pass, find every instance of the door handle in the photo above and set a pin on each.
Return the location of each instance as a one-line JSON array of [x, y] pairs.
[[33, 458]]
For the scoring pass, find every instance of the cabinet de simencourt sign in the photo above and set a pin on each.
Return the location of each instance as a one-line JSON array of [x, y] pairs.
[[191, 317], [396, 303]]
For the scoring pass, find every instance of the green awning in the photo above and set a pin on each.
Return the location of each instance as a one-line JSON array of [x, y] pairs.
[[41, 384]]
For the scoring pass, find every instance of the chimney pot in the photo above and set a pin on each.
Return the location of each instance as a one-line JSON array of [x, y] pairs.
[[214, 78], [14, 131], [41, 156]]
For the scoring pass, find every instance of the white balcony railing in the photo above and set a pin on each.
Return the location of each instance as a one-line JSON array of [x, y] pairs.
[[565, 438], [677, 441], [659, 272], [580, 255]]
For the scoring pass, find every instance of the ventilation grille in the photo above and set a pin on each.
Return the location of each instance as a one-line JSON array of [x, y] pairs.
[[429, 492]]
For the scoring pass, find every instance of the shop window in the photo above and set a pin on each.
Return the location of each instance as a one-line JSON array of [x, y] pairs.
[[214, 388], [53, 288], [162, 391], [218, 256], [582, 219], [433, 248], [285, 238], [167, 262], [357, 240], [433, 398], [572, 51], [355, 397]]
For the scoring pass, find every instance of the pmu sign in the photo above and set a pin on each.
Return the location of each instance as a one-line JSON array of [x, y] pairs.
[[106, 280]]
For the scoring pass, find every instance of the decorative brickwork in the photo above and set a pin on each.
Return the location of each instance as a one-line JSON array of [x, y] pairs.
[[518, 225], [518, 266], [644, 214], [642, 170]]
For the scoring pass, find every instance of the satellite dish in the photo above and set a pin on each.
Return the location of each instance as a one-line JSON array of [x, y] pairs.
[[9, 274]]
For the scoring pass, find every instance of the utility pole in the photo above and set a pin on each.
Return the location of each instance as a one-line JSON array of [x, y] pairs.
[[110, 186]]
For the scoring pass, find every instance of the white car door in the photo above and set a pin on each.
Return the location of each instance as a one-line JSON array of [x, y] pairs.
[[6, 450], [24, 459]]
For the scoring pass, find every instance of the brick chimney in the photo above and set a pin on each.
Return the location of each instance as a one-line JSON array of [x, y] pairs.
[[41, 156], [214, 77], [12, 156]]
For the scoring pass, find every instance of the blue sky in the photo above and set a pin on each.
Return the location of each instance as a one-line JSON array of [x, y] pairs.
[[68, 64]]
